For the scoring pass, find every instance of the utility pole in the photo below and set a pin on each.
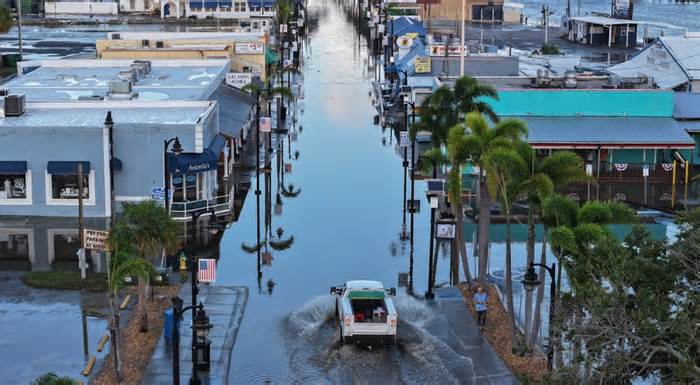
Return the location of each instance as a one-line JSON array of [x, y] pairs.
[[461, 48], [82, 258], [19, 27]]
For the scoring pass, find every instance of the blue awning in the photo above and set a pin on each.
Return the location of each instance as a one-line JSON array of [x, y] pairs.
[[225, 3], [13, 167], [67, 167], [210, 4], [191, 163], [116, 164]]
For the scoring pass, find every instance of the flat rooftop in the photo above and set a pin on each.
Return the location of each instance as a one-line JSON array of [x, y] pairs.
[[230, 36], [65, 80], [92, 114]]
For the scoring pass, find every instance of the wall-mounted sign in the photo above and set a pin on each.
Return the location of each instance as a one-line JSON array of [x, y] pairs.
[[95, 239], [239, 79], [404, 41], [249, 48], [439, 50], [265, 124], [423, 65]]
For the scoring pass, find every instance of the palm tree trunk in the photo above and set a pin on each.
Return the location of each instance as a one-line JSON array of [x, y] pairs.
[[530, 259], [537, 317], [509, 280], [484, 221], [459, 234], [113, 335], [143, 327]]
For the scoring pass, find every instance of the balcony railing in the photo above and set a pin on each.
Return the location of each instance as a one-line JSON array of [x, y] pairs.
[[635, 171], [184, 211]]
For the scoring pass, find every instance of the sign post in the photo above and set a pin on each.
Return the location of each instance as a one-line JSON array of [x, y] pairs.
[[95, 239]]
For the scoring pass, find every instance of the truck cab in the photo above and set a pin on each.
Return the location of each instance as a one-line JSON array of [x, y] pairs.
[[365, 313]]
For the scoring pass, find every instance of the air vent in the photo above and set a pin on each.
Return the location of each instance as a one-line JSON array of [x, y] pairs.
[[15, 105], [119, 87]]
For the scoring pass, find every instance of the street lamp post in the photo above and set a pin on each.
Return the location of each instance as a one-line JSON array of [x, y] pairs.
[[260, 86], [413, 183], [200, 342], [433, 206], [109, 124], [530, 283], [177, 150]]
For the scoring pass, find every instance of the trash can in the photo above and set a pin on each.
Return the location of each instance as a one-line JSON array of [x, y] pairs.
[[168, 324]]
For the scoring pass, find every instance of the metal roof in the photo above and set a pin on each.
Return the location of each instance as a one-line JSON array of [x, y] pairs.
[[686, 105], [231, 36], [186, 80], [641, 132], [603, 20], [235, 109], [670, 61], [691, 126]]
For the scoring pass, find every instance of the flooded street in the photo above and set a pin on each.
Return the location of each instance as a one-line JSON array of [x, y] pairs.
[[345, 223]]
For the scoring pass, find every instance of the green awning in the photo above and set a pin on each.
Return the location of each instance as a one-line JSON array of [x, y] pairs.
[[271, 56], [369, 294]]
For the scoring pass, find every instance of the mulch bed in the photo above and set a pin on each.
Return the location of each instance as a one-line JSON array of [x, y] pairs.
[[137, 347], [533, 366]]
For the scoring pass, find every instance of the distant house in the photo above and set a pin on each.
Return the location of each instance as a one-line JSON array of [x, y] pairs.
[[474, 10]]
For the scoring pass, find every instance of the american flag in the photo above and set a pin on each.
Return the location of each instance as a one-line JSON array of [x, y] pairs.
[[207, 270]]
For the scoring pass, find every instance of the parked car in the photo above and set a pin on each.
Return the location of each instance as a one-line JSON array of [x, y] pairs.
[[365, 313]]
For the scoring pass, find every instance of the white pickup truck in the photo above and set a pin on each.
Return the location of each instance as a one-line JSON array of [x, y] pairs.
[[365, 313]]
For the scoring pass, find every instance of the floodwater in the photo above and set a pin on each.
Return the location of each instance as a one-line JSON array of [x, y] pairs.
[[345, 222], [686, 15]]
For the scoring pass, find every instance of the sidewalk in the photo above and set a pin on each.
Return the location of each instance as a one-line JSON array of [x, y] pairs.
[[455, 326], [225, 306]]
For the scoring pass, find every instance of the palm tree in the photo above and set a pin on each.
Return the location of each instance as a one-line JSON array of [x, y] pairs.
[[150, 229], [505, 172], [578, 230], [481, 139], [122, 264], [548, 174], [459, 154], [444, 107]]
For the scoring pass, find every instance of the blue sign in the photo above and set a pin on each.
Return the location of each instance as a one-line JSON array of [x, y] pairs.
[[158, 193]]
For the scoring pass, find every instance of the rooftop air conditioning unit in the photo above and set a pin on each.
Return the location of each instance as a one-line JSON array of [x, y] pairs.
[[4, 92], [141, 69], [116, 36], [119, 87], [15, 105], [129, 75], [148, 64]]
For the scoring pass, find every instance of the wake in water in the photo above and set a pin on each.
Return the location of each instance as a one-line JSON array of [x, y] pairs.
[[317, 356]]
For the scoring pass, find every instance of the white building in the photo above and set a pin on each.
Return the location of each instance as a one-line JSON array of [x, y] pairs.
[[220, 9]]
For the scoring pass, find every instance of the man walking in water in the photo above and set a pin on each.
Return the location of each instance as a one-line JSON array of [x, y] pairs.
[[480, 299]]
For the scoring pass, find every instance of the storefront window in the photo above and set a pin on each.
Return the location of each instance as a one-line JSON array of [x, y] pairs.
[[66, 187], [13, 186], [187, 191], [14, 246]]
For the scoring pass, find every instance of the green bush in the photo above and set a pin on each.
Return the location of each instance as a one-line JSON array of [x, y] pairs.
[[549, 49], [53, 379]]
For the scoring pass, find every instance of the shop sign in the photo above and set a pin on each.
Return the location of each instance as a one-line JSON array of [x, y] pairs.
[[423, 65], [439, 50], [249, 48], [95, 239], [239, 79], [446, 231], [404, 41]]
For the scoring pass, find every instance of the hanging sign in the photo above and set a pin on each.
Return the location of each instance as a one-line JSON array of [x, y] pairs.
[[403, 136], [95, 239], [239, 79], [620, 167], [265, 124], [423, 65]]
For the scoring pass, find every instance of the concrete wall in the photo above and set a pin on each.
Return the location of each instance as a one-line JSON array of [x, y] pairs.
[[211, 47], [80, 8], [48, 144]]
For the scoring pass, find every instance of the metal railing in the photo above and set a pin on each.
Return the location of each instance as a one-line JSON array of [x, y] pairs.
[[626, 171], [184, 211]]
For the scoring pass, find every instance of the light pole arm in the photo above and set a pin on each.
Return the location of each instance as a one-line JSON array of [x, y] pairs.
[[550, 270]]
